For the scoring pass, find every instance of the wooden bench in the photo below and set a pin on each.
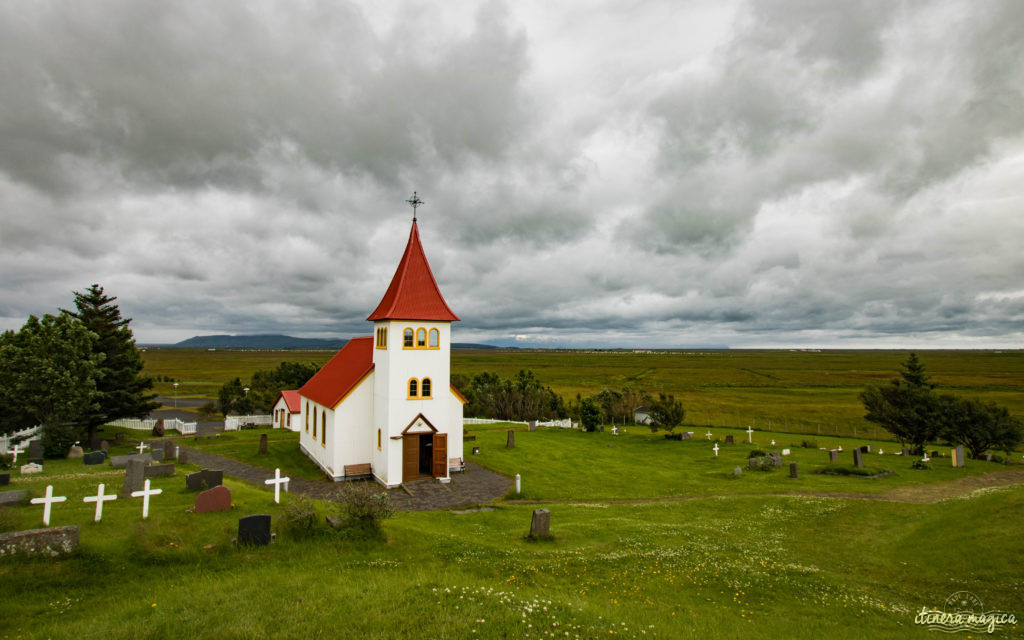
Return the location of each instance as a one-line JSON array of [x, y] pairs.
[[456, 464], [353, 470]]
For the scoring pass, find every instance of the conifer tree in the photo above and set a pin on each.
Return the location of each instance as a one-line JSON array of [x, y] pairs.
[[121, 389]]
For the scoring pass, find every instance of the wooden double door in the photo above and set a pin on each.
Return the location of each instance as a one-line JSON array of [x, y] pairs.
[[424, 455]]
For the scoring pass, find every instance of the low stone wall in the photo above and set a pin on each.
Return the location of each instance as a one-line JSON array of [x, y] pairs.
[[46, 542]]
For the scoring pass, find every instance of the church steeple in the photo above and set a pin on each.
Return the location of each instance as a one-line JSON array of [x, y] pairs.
[[413, 293]]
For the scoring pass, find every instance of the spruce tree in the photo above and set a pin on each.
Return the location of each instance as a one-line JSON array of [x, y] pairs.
[[121, 388]]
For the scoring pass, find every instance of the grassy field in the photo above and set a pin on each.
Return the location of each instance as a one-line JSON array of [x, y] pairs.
[[805, 392], [723, 563]]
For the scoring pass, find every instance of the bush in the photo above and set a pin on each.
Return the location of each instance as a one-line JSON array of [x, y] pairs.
[[57, 439], [809, 444], [765, 464], [920, 464], [6, 460], [299, 519], [756, 453], [361, 510]]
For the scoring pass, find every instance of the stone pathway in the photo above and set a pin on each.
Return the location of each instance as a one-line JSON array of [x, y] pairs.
[[473, 486]]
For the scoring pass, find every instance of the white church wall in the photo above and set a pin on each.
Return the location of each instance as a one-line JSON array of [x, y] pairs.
[[351, 437], [455, 407]]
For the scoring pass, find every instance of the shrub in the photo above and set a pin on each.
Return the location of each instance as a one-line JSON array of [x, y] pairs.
[[765, 464], [362, 509], [809, 444], [299, 519], [6, 460], [756, 453], [920, 464]]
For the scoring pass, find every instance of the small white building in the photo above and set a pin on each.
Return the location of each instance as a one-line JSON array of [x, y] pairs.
[[285, 407], [383, 406]]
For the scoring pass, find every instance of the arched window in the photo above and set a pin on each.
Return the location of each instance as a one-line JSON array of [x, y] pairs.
[[421, 337], [307, 417], [407, 338], [378, 439], [413, 386], [434, 338], [323, 428], [314, 424], [425, 388]]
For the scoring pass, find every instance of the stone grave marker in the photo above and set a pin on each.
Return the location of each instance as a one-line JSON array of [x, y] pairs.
[[157, 455], [958, 456], [510, 443], [686, 435], [858, 458], [30, 468], [182, 456], [729, 440], [119, 437], [792, 470], [752, 463], [776, 458], [93, 457], [134, 478], [40, 542], [104, 445], [254, 530], [540, 525], [159, 471], [215, 499], [5, 479], [263, 445], [988, 458], [205, 479], [904, 451], [75, 452], [158, 428], [737, 471], [833, 455], [35, 449], [169, 450], [533, 425], [8, 498], [785, 452], [120, 462]]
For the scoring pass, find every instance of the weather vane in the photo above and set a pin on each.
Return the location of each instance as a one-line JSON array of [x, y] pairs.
[[415, 202]]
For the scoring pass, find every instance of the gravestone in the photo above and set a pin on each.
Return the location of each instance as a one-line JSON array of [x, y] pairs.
[[833, 455], [205, 479], [792, 470], [104, 445], [686, 435], [786, 452], [134, 478], [905, 451], [776, 458], [30, 468], [93, 457], [159, 471], [254, 530], [602, 428], [476, 451], [958, 456], [988, 458], [858, 458], [8, 498], [47, 542], [119, 437], [169, 453], [737, 471], [182, 456], [533, 425], [752, 463], [157, 455], [510, 443], [75, 452], [158, 428], [263, 444], [5, 479], [935, 454], [728, 440], [540, 525], [215, 499], [35, 449], [120, 462]]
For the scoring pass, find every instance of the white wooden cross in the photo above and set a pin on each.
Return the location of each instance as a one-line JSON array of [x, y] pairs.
[[750, 434], [142, 447], [46, 502], [708, 434], [16, 450], [99, 499], [716, 449], [277, 481], [144, 494]]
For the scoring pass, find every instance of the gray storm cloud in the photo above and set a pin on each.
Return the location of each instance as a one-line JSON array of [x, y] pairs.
[[746, 173]]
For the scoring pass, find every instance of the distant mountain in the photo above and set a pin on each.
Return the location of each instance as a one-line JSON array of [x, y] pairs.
[[470, 345], [259, 342]]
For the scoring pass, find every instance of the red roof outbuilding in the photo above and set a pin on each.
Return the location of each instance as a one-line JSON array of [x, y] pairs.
[[413, 294], [291, 400], [341, 374]]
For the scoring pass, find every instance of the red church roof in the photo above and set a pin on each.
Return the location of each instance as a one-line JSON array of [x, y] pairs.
[[413, 294], [291, 400], [341, 374]]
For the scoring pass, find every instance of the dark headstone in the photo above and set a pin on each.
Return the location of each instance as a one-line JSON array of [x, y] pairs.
[[169, 450], [134, 478], [263, 445], [792, 470], [510, 443], [254, 530], [935, 454], [119, 437], [104, 445], [729, 440], [833, 455], [35, 449], [5, 479], [158, 428], [182, 456], [476, 451], [533, 425], [119, 462], [540, 526], [205, 479], [858, 458], [7, 498], [752, 463], [866, 448], [159, 471], [47, 542], [93, 457], [602, 428], [215, 499], [157, 455], [75, 452]]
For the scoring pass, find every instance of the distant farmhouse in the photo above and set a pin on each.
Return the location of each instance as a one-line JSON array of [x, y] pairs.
[[383, 406]]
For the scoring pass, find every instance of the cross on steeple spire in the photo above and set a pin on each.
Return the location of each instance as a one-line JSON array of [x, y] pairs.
[[415, 202]]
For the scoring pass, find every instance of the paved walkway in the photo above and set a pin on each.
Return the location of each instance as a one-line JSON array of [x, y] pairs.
[[473, 486]]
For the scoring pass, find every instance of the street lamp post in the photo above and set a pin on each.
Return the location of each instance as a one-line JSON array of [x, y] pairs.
[[175, 395]]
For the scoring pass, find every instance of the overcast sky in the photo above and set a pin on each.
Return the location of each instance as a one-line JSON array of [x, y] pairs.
[[802, 173]]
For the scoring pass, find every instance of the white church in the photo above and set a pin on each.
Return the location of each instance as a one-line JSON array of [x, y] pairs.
[[383, 406]]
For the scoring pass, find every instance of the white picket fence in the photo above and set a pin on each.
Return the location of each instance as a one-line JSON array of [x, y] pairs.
[[15, 437], [180, 426], [234, 423], [565, 423]]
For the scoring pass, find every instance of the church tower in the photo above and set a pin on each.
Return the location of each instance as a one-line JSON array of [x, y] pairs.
[[417, 415]]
